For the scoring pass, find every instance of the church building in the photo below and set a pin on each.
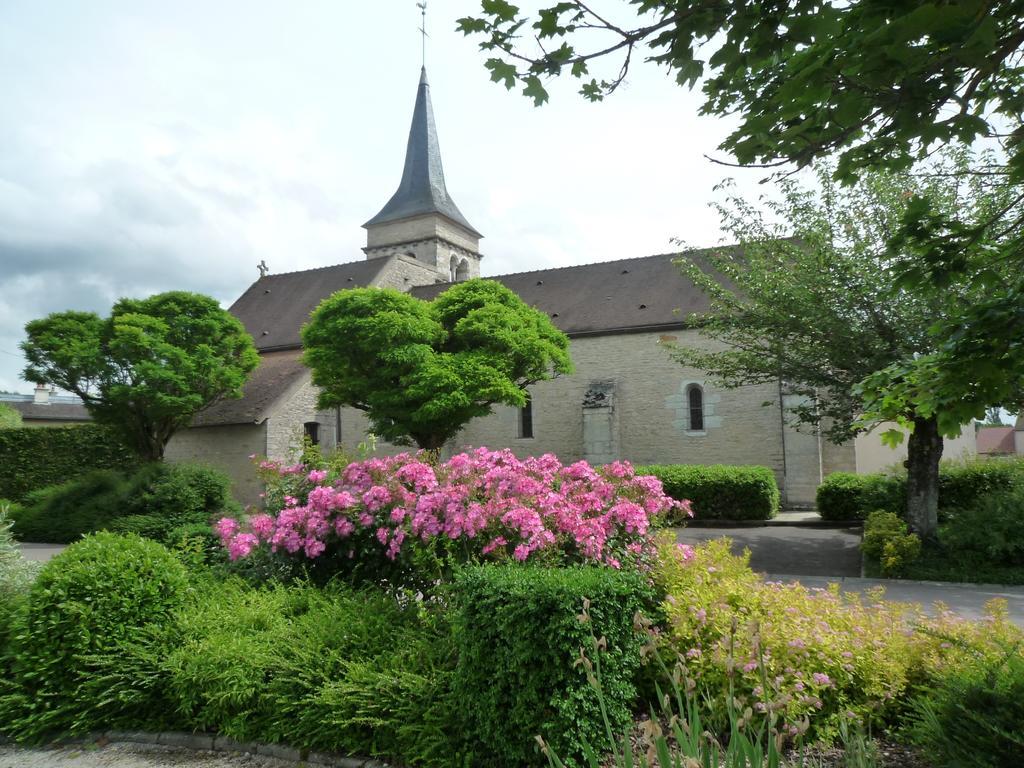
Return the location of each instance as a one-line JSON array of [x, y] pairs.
[[627, 399]]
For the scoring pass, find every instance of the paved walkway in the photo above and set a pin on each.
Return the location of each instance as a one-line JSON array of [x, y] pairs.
[[799, 551], [129, 756], [40, 552]]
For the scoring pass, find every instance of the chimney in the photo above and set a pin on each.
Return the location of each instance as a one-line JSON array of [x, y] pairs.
[[42, 395]]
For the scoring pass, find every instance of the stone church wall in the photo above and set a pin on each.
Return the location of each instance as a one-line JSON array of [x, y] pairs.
[[649, 417], [226, 448]]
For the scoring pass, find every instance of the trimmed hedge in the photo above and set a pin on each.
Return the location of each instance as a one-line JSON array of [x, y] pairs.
[[718, 491], [846, 496], [519, 636], [35, 458], [153, 501]]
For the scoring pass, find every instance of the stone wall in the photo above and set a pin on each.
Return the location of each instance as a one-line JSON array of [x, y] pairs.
[[285, 425], [648, 417], [404, 272], [226, 448]]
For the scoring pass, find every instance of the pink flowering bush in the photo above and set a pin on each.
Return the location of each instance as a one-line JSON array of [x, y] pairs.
[[407, 521]]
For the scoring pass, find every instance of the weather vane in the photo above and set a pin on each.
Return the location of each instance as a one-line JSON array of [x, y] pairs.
[[423, 28]]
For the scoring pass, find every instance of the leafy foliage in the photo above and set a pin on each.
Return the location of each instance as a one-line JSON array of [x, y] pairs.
[[806, 653], [93, 598], [152, 501], [519, 632], [9, 417], [972, 713], [846, 496], [16, 574], [879, 83], [888, 542], [717, 491], [353, 672], [992, 526], [31, 459], [421, 370], [148, 368]]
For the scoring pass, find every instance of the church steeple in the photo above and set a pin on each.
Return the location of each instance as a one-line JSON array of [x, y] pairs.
[[421, 220], [422, 189]]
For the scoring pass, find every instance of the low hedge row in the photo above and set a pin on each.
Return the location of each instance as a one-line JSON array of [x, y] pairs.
[[718, 491], [520, 632], [115, 635], [153, 501], [31, 459], [846, 496]]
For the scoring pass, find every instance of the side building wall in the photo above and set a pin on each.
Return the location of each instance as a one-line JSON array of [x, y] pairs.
[[641, 394], [226, 448]]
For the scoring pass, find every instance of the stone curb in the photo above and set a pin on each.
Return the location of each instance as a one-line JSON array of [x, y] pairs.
[[206, 742]]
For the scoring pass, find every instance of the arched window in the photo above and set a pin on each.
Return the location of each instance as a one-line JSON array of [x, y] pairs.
[[462, 271], [695, 402], [453, 268]]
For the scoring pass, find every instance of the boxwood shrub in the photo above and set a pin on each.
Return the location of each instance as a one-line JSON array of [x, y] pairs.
[[718, 491], [846, 496], [31, 459], [519, 634], [91, 600]]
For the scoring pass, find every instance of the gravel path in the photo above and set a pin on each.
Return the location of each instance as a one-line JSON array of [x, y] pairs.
[[129, 756]]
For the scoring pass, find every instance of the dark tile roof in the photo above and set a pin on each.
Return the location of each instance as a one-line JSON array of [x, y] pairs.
[[275, 307], [50, 411], [422, 189], [607, 297], [277, 373]]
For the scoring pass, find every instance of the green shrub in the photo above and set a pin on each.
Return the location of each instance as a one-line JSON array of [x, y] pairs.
[[31, 459], [888, 540], [961, 484], [846, 496], [806, 653], [16, 574], [991, 526], [60, 514], [334, 670], [718, 491], [973, 715], [519, 635], [93, 599], [153, 501]]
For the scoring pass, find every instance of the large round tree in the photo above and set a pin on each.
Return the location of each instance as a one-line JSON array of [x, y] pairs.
[[421, 370], [149, 367]]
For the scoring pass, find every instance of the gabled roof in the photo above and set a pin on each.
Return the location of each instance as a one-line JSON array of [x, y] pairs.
[[422, 190], [277, 375], [275, 307], [607, 297], [31, 411]]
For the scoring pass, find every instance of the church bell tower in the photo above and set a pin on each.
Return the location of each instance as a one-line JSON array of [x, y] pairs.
[[421, 220]]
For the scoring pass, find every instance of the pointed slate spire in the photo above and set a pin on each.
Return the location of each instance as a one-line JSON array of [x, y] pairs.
[[422, 190]]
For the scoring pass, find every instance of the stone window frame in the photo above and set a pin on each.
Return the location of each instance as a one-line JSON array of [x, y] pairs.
[[311, 429]]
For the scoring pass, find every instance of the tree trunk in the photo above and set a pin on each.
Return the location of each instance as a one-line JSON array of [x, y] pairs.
[[924, 449]]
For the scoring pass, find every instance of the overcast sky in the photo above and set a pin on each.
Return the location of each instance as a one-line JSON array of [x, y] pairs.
[[152, 146]]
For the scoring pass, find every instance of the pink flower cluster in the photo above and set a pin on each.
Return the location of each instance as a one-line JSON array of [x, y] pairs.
[[493, 504]]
